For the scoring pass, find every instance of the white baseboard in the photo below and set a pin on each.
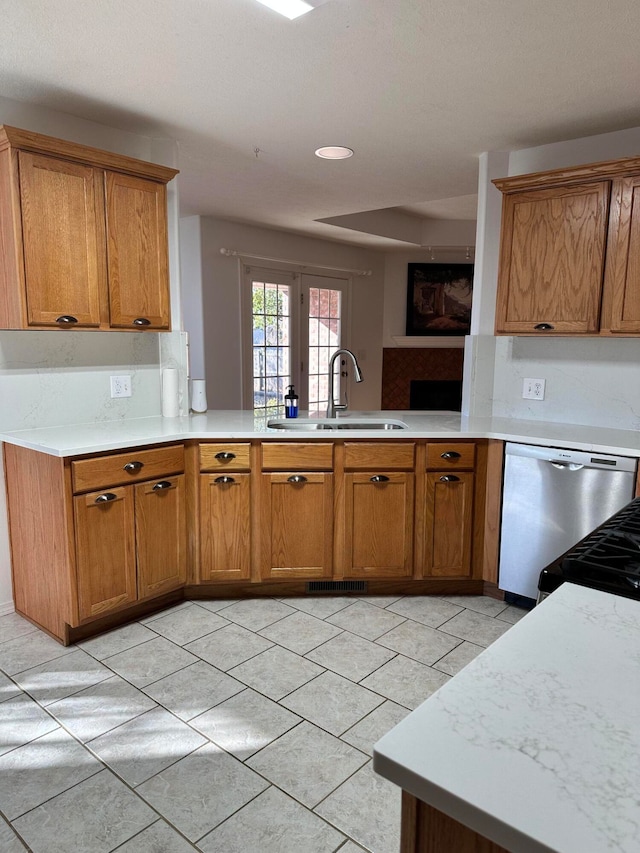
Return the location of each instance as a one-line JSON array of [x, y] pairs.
[[7, 607]]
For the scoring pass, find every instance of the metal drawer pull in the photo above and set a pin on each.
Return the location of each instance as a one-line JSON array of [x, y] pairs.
[[449, 478], [543, 327], [225, 456], [66, 320], [161, 486], [296, 478], [450, 454], [223, 481], [141, 321], [380, 478], [133, 467], [103, 499]]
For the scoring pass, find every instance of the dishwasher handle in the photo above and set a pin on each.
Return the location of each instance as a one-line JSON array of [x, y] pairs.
[[571, 466]]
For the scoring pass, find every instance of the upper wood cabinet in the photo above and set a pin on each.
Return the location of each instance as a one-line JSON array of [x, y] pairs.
[[570, 252], [621, 304], [83, 237]]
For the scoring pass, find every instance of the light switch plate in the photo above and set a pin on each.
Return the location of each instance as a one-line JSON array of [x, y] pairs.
[[120, 386]]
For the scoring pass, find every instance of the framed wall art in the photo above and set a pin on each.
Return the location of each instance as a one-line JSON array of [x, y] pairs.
[[439, 299]]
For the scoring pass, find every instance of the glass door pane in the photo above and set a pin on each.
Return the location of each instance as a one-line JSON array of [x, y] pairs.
[[324, 340], [323, 331], [271, 342]]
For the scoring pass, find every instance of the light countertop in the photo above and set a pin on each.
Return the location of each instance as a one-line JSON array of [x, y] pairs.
[[76, 439], [536, 743]]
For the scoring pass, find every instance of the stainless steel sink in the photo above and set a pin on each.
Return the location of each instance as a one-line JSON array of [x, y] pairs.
[[305, 424]]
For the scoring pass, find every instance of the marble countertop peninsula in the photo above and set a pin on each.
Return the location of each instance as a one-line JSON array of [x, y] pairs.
[[77, 439], [536, 743]]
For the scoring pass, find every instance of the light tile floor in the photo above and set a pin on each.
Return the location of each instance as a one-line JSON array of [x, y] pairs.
[[223, 726]]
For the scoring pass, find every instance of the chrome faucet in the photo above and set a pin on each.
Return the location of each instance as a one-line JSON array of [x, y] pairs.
[[332, 407]]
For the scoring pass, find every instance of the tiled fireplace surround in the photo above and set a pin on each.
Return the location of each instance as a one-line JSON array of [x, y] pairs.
[[401, 365]]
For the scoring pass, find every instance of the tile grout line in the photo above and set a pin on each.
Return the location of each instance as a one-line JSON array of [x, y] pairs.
[[244, 687]]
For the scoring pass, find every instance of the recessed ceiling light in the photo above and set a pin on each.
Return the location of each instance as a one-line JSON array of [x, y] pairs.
[[289, 8], [334, 152]]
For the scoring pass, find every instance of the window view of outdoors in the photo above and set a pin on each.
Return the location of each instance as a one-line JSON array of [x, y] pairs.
[[275, 323], [324, 339], [271, 345]]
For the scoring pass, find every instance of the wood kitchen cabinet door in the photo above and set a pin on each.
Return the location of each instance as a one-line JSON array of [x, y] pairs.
[[296, 525], [621, 305], [225, 527], [63, 241], [161, 535], [378, 524], [105, 551], [137, 253], [552, 260], [449, 524]]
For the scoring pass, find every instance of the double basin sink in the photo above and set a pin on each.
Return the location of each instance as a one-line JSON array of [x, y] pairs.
[[305, 424]]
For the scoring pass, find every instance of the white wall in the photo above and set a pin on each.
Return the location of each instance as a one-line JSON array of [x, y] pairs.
[[589, 380], [222, 322], [395, 287], [55, 378]]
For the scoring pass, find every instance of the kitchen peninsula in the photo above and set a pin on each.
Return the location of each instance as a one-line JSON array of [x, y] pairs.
[[111, 520], [534, 746]]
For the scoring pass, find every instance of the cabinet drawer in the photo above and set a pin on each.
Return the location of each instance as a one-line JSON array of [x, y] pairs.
[[129, 467], [292, 456], [440, 457], [385, 455], [230, 457]]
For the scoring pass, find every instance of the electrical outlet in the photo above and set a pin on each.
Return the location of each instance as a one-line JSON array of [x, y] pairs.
[[533, 389], [120, 386]]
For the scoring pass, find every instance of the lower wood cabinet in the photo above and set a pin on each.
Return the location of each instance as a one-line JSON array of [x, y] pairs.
[[105, 551], [225, 527], [94, 536], [130, 544], [100, 536], [448, 502], [161, 536], [448, 516], [378, 524], [296, 525]]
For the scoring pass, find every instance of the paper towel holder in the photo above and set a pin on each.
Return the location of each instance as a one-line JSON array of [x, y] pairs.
[[198, 396]]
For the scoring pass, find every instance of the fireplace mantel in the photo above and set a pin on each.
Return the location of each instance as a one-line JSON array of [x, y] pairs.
[[429, 341]]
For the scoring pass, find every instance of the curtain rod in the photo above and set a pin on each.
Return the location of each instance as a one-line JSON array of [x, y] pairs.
[[237, 253]]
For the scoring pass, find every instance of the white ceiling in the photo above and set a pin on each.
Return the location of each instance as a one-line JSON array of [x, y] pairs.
[[418, 88]]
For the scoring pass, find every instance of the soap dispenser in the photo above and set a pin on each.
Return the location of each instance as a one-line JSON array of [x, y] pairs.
[[291, 403]]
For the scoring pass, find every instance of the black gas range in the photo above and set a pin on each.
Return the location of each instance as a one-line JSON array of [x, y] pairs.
[[607, 559]]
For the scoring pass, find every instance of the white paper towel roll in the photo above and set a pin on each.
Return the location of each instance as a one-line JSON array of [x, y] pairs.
[[170, 405]]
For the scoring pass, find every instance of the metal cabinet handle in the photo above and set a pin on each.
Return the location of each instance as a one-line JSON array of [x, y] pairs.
[[141, 321], [296, 478], [379, 478], [543, 327], [225, 456], [105, 498], [449, 478], [133, 467], [161, 486], [66, 320], [222, 481], [450, 454]]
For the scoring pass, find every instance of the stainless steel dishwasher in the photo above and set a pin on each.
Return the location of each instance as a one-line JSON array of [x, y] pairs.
[[551, 499]]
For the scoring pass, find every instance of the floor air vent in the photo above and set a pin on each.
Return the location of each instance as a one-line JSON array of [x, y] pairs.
[[336, 586]]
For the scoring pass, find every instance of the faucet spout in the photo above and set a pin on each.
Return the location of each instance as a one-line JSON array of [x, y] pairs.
[[357, 374]]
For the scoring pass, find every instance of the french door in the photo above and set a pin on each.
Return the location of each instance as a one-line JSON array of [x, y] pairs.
[[295, 322]]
